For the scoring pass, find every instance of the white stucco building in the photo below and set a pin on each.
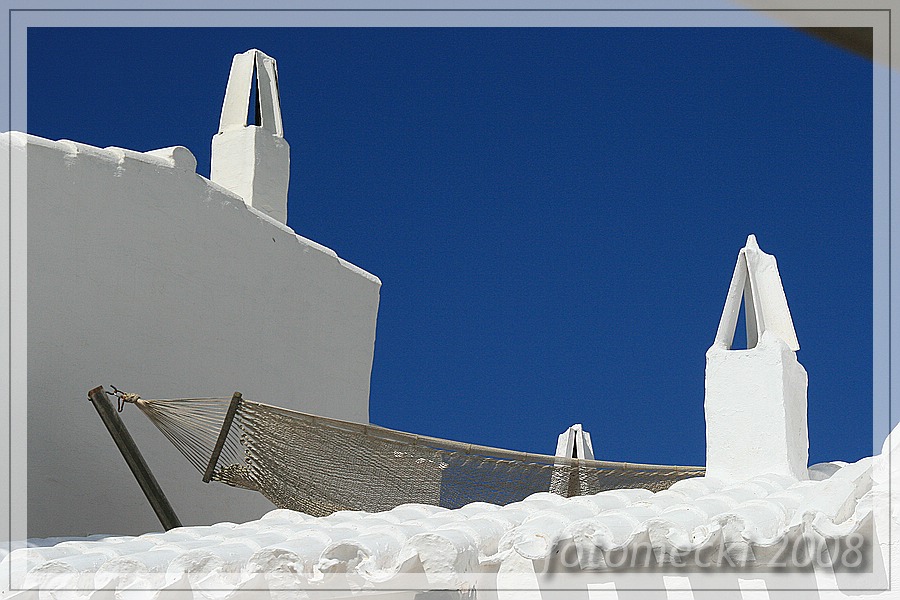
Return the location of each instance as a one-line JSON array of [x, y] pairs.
[[148, 276]]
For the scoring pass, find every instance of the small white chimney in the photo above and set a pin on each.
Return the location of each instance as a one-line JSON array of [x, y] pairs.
[[574, 442], [756, 398], [253, 160]]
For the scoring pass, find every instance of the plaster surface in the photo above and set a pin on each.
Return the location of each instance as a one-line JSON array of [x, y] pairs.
[[756, 412], [144, 275]]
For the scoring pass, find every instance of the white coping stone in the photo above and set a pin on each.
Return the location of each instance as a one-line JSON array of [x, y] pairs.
[[178, 156], [756, 398]]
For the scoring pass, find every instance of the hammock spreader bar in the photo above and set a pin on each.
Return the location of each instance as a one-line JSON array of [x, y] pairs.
[[223, 435]]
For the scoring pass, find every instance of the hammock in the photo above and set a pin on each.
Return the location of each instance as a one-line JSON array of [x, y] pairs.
[[319, 465]]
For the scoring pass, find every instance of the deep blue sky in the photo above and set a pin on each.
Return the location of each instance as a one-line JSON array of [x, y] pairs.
[[554, 213]]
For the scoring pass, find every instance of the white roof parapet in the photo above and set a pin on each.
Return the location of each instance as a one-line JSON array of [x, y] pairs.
[[756, 278]]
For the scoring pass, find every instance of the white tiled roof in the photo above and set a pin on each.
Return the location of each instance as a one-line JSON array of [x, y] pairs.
[[373, 549]]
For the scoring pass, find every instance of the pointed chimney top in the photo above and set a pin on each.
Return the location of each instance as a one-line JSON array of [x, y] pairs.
[[245, 68], [757, 281]]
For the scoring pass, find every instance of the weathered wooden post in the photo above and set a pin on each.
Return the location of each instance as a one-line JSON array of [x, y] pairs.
[[135, 460]]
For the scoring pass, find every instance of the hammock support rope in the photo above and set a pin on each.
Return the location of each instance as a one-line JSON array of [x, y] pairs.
[[319, 465]]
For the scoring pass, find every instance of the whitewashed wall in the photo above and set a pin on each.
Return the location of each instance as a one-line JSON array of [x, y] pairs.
[[144, 275]]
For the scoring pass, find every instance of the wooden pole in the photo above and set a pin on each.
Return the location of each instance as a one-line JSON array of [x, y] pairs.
[[223, 435], [132, 456]]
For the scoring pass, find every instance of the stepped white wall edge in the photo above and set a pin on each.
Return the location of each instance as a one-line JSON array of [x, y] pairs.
[[144, 275]]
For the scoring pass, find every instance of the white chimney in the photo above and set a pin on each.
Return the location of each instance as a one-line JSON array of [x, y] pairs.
[[756, 398], [253, 160], [574, 442]]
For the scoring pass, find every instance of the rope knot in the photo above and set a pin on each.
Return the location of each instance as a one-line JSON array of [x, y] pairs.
[[124, 397]]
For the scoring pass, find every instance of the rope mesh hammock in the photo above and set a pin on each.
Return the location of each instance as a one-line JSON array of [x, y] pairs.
[[319, 465]]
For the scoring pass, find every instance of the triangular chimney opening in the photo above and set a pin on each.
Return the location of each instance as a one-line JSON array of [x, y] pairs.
[[739, 341], [745, 335], [254, 114]]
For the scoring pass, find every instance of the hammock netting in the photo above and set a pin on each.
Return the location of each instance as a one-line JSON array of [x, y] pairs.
[[319, 465]]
